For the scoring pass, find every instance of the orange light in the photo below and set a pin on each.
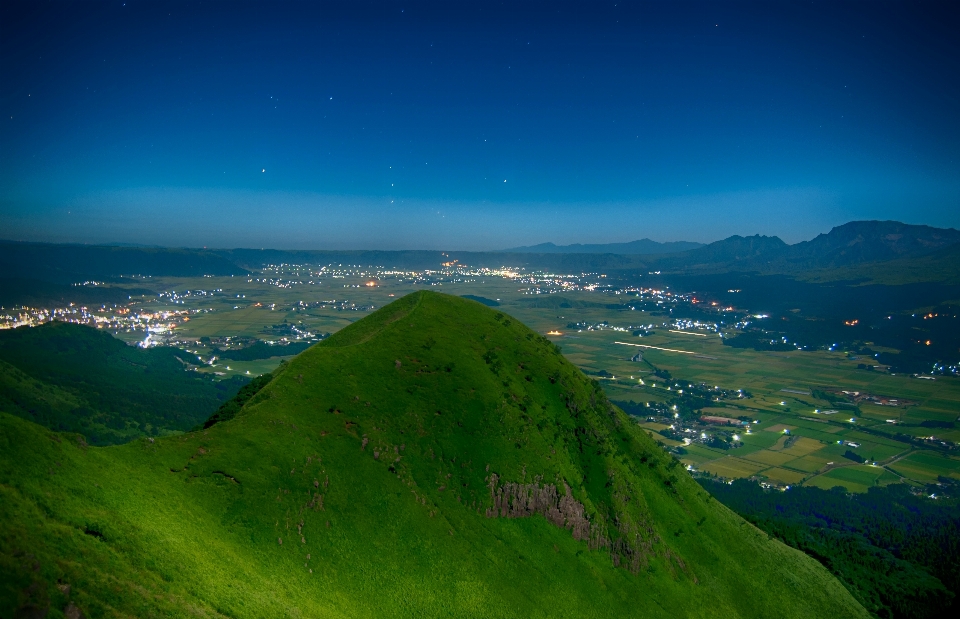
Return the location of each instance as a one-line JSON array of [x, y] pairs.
[[851, 323], [370, 284], [554, 333], [928, 342]]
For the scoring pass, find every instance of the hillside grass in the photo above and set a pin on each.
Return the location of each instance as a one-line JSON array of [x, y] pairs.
[[357, 484]]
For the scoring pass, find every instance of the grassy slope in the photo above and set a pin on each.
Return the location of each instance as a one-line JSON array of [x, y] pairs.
[[76, 378], [190, 525]]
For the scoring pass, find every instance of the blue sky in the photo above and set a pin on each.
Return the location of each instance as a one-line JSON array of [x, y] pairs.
[[473, 125]]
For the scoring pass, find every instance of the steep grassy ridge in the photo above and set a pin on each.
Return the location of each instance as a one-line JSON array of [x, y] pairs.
[[436, 458]]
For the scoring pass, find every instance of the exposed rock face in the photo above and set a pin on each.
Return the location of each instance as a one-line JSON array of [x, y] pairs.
[[633, 544], [72, 612], [513, 500]]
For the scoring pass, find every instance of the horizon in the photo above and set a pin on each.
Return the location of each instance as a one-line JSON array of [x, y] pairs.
[[443, 249], [477, 125]]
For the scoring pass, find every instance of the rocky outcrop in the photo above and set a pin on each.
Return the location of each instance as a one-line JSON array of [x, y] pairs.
[[516, 500]]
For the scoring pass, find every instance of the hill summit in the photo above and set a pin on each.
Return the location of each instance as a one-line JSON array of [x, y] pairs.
[[436, 458]]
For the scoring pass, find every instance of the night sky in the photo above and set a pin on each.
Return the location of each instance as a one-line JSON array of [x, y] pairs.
[[473, 125]]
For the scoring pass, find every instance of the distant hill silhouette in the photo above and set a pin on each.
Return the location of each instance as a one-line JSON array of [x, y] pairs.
[[68, 263], [737, 248], [849, 245], [643, 246], [857, 242]]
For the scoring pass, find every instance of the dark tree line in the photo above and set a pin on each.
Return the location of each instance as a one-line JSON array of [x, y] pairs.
[[897, 552]]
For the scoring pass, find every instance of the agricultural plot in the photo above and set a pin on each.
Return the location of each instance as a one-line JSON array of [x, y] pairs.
[[246, 321], [927, 466], [732, 467], [762, 440], [802, 446], [744, 449], [783, 476], [855, 478], [808, 464], [704, 451], [695, 459], [769, 458], [817, 425]]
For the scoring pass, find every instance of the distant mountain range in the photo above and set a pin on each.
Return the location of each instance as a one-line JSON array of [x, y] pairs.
[[643, 246], [871, 241], [72, 263], [853, 243], [887, 251], [848, 248]]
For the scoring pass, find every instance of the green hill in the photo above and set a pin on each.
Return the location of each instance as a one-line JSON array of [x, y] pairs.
[[75, 378], [436, 458]]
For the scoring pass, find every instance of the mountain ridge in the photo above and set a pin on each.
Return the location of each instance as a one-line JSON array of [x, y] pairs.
[[641, 246], [858, 242], [849, 245], [845, 246]]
